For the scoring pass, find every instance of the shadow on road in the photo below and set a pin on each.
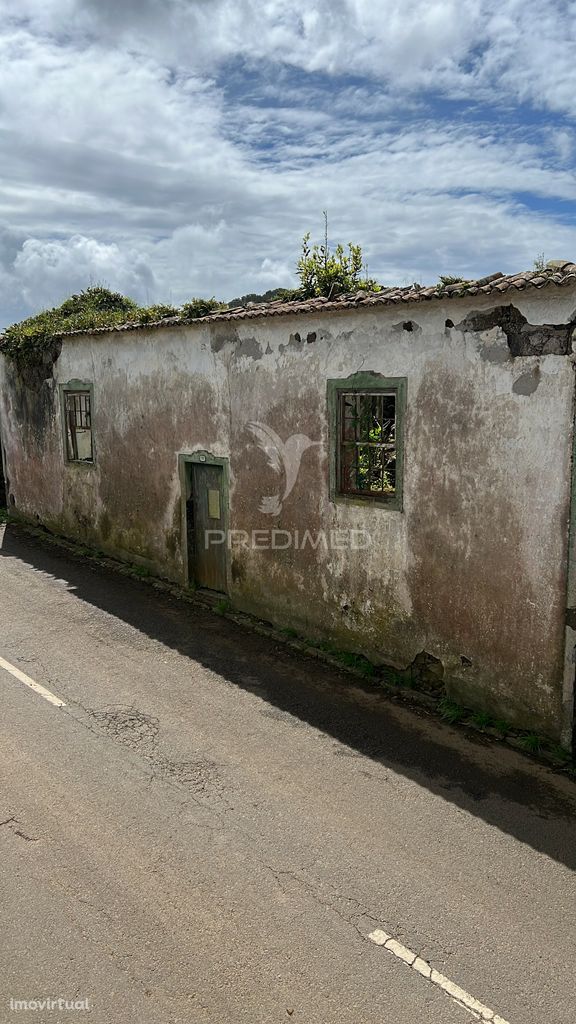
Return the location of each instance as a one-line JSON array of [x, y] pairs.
[[505, 789]]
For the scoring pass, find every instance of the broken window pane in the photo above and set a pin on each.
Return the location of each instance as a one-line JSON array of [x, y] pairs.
[[367, 444], [77, 408]]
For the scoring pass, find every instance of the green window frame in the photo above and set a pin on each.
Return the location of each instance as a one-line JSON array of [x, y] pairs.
[[366, 422], [77, 412]]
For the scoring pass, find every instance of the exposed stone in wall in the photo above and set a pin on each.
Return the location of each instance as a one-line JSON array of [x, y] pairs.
[[408, 325], [523, 339], [32, 388], [427, 672]]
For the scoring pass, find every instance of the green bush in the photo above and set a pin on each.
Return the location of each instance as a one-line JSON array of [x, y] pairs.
[[151, 314], [200, 307]]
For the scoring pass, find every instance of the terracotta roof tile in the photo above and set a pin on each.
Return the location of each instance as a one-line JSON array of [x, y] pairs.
[[559, 275]]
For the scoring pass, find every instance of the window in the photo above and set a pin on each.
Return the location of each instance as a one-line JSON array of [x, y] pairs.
[[77, 408], [366, 413], [368, 443]]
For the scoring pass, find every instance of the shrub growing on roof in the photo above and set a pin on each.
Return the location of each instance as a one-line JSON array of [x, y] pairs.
[[94, 307], [96, 299], [200, 307], [323, 271], [152, 314]]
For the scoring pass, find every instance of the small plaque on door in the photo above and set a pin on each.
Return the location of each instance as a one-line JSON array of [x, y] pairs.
[[213, 504]]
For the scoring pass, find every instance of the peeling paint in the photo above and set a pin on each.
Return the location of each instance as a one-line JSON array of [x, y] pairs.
[[250, 348], [294, 342], [527, 382], [222, 335]]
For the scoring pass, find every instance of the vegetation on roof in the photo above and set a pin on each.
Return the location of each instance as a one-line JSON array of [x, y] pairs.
[[332, 271], [446, 279], [92, 308], [200, 307], [322, 269]]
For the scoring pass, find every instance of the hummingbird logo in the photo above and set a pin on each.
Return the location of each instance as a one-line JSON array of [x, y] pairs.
[[284, 457]]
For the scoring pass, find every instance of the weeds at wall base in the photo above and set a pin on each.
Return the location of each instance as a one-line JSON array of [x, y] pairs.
[[142, 571], [450, 711], [396, 684]]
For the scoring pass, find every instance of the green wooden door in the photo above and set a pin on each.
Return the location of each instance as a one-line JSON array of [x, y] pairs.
[[206, 517]]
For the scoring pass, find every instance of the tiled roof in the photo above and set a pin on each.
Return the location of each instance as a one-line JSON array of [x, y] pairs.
[[556, 273]]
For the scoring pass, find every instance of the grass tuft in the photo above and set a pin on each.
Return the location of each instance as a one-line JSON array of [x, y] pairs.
[[482, 719], [140, 570], [356, 661], [531, 742], [450, 711]]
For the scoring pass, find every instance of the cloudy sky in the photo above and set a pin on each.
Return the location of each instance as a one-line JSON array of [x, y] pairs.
[[171, 148]]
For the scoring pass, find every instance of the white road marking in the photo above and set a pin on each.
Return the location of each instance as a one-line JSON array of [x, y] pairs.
[[37, 687], [459, 995]]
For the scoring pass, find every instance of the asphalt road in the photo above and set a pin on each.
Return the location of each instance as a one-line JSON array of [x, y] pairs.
[[212, 827]]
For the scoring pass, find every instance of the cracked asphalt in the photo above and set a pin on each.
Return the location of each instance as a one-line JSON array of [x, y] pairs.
[[212, 826]]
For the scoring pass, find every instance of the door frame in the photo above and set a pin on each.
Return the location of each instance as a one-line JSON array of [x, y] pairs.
[[202, 458]]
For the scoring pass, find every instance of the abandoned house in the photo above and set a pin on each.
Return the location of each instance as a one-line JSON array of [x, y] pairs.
[[389, 471]]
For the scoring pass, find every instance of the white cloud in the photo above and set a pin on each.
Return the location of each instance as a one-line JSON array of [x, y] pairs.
[[274, 273], [133, 155], [523, 48], [48, 271]]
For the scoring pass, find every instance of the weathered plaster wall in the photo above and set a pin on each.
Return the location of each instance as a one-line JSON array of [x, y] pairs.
[[472, 571], [145, 408]]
